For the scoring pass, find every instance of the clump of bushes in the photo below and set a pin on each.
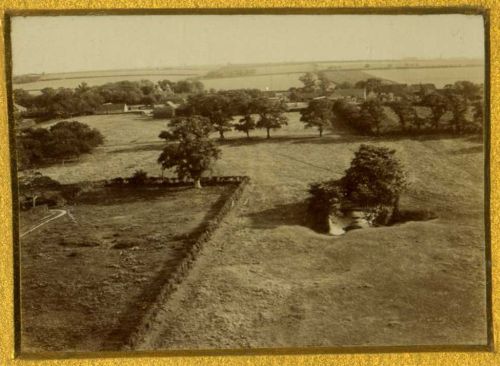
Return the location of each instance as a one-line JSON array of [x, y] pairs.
[[64, 140], [36, 189], [139, 178], [163, 112], [372, 183]]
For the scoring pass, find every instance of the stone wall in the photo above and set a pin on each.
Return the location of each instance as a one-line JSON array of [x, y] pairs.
[[192, 253]]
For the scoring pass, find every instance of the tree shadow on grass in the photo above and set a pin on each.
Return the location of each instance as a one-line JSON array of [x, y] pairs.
[[291, 214], [140, 147], [337, 138], [352, 138]]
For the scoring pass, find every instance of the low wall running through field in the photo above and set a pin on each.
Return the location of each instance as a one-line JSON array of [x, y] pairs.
[[192, 252]]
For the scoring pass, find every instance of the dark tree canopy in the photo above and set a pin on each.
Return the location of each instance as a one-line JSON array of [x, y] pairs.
[[271, 114], [318, 114], [438, 105], [405, 112], [375, 177], [372, 115], [189, 150], [62, 141], [216, 108]]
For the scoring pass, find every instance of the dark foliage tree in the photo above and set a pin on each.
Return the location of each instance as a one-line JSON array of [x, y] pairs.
[[163, 112], [216, 108], [405, 112], [375, 177], [189, 150], [318, 114], [62, 141], [439, 106], [139, 178], [271, 114], [458, 106], [246, 124], [371, 116]]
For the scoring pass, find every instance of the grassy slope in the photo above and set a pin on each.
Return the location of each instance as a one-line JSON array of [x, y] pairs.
[[268, 280]]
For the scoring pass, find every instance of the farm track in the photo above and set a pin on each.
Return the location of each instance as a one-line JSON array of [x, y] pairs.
[[46, 220]]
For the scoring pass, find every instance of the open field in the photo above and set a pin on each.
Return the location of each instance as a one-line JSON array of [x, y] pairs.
[[282, 76], [438, 76], [88, 277], [267, 280]]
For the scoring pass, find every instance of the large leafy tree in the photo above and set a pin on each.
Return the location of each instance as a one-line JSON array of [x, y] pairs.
[[405, 112], [242, 104], [246, 124], [372, 115], [271, 114], [318, 114], [216, 108], [375, 177], [189, 150], [438, 105]]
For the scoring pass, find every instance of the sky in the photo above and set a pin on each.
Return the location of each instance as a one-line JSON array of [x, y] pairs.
[[53, 44]]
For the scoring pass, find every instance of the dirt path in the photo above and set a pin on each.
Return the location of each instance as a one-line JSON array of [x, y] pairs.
[[267, 280], [46, 220]]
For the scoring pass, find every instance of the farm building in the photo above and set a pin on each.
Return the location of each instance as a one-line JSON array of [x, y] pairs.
[[112, 108], [357, 95], [296, 106]]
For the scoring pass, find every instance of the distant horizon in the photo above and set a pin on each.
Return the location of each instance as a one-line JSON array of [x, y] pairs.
[[253, 64], [64, 44]]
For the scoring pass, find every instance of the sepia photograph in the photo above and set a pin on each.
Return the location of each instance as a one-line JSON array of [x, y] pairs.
[[250, 181]]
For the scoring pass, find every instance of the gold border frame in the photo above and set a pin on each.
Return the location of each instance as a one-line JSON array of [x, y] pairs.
[[386, 356]]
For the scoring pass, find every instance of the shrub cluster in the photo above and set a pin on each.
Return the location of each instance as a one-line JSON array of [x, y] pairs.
[[63, 140], [373, 182]]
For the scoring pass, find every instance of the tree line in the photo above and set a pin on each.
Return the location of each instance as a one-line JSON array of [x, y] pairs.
[[254, 109], [462, 104], [85, 99]]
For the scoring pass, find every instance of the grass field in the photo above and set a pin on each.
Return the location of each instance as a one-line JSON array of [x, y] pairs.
[[268, 280], [271, 281], [438, 76], [283, 76], [88, 277]]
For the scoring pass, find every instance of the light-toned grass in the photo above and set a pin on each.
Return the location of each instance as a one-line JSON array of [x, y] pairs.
[[438, 76], [268, 280]]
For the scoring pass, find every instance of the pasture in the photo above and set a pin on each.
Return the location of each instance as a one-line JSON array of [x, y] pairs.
[[88, 277], [436, 75], [282, 76], [268, 280]]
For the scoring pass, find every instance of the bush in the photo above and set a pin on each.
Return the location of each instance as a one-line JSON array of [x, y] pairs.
[[163, 112], [139, 178], [372, 184], [63, 140], [325, 196], [375, 177]]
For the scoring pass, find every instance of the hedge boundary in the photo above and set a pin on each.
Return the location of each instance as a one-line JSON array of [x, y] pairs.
[[185, 265]]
